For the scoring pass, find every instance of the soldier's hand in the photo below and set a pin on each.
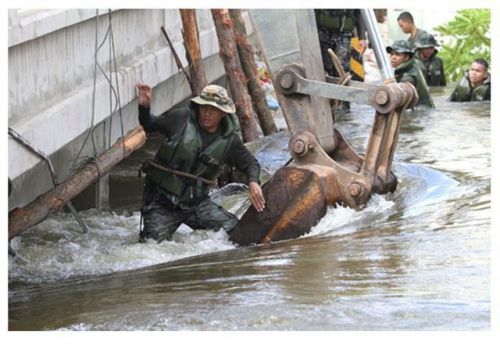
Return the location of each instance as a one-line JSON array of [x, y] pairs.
[[144, 94], [362, 46], [256, 196]]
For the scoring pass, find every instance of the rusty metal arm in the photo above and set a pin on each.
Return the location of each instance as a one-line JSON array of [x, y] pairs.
[[289, 82], [389, 101], [298, 195], [354, 83], [325, 170], [384, 136]]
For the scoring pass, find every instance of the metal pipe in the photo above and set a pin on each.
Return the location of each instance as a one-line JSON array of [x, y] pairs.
[[377, 43]]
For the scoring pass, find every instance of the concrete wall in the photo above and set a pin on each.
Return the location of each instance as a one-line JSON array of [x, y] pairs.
[[51, 81]]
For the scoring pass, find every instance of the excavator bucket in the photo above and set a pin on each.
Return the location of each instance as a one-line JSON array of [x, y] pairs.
[[296, 200], [326, 171]]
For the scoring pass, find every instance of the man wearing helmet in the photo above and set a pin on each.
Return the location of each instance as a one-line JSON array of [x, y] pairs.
[[199, 139], [428, 61], [406, 70]]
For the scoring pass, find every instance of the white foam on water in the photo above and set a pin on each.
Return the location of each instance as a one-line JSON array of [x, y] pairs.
[[57, 249], [342, 220], [76, 327]]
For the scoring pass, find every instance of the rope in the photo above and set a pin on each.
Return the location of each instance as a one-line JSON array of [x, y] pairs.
[[76, 165], [117, 85], [181, 173]]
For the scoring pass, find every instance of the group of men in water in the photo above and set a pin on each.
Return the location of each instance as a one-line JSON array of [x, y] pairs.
[[414, 60], [419, 53]]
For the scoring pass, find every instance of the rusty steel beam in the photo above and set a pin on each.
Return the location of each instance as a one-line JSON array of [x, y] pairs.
[[21, 219]]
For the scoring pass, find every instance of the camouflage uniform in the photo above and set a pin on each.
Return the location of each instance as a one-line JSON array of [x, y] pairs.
[[170, 196], [432, 68], [335, 31], [413, 40], [409, 72]]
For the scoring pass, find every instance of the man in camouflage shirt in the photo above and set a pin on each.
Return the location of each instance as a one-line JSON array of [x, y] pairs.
[[407, 25]]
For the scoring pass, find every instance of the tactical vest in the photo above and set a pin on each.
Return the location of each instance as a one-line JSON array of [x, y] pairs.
[[432, 69], [336, 20], [464, 93], [184, 152], [408, 71]]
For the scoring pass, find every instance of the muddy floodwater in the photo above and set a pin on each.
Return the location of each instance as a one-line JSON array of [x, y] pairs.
[[418, 259]]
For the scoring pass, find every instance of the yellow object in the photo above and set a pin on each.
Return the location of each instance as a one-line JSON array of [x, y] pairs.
[[356, 60]]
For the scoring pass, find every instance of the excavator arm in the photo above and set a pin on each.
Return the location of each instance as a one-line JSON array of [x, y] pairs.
[[325, 171]]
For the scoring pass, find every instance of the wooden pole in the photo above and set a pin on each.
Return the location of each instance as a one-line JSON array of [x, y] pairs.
[[245, 51], [193, 51], [237, 80], [20, 219]]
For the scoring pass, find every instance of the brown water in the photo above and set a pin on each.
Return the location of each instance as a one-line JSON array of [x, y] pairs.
[[415, 260]]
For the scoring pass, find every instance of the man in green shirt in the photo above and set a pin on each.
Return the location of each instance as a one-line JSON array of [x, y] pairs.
[[406, 70], [428, 61], [199, 139], [475, 84], [407, 25]]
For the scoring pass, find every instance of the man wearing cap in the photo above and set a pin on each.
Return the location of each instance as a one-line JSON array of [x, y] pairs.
[[406, 70], [427, 60], [475, 84], [407, 25], [199, 139]]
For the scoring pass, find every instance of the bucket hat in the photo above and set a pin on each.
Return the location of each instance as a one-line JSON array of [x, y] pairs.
[[215, 96]]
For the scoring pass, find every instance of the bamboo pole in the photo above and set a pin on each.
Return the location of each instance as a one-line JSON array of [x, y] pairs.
[[245, 52], [237, 79], [193, 51], [20, 219]]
